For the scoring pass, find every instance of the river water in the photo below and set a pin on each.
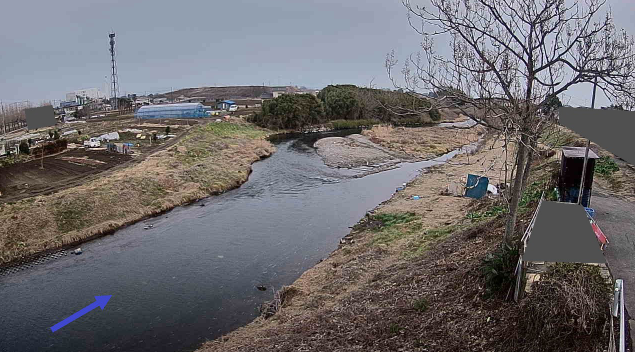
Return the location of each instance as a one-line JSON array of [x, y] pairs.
[[193, 275]]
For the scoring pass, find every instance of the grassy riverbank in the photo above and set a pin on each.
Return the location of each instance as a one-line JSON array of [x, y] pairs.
[[210, 159], [410, 277]]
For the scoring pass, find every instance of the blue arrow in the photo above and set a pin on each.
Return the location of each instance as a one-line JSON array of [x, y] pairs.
[[100, 301]]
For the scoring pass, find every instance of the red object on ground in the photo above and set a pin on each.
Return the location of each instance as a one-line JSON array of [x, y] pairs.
[[599, 234]]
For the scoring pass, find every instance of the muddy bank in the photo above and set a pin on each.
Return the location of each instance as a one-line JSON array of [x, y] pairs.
[[210, 159], [356, 150], [385, 146]]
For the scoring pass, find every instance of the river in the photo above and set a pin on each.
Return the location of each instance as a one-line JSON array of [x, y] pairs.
[[192, 276]]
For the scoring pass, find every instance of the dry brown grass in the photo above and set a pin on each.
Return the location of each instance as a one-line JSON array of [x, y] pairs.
[[369, 296], [211, 159], [567, 310], [423, 142]]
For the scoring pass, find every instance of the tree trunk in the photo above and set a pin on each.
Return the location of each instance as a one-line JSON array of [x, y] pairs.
[[516, 189], [530, 160]]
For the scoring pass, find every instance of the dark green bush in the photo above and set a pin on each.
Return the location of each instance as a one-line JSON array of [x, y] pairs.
[[24, 148], [606, 166], [498, 270], [435, 115]]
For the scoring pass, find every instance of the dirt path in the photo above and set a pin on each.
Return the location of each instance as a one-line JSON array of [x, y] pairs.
[[616, 218]]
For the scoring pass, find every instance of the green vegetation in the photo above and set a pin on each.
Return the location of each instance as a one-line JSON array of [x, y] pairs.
[[606, 166], [343, 103], [290, 112], [421, 304], [420, 242], [476, 216], [392, 219], [350, 102], [557, 137], [498, 270], [395, 226], [532, 193], [24, 148], [394, 328]]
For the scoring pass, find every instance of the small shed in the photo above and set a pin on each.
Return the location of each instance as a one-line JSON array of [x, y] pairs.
[[225, 104], [571, 175]]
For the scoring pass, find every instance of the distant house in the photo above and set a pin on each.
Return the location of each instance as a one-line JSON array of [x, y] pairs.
[[248, 103], [225, 104], [142, 101], [159, 100], [68, 104], [266, 96], [311, 92], [279, 93]]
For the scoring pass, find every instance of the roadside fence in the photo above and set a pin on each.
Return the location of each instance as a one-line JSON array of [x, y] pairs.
[[618, 311]]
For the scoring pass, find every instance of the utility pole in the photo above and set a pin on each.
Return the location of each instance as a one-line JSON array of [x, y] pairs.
[[586, 153], [4, 124]]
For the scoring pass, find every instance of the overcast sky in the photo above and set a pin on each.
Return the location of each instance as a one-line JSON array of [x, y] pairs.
[[50, 48]]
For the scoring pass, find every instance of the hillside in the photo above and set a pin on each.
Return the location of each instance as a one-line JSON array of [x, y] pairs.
[[231, 92]]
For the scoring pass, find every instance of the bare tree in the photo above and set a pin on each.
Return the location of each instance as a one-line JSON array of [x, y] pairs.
[[508, 58]]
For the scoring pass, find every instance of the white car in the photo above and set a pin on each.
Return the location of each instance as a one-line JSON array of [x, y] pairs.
[[233, 108], [92, 143]]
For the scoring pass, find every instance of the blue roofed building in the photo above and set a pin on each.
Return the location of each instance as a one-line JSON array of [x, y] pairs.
[[225, 104]]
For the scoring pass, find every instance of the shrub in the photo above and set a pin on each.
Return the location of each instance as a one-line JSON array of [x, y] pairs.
[[24, 148], [421, 304], [498, 270], [435, 115], [606, 166], [391, 219], [566, 309], [394, 328], [167, 129]]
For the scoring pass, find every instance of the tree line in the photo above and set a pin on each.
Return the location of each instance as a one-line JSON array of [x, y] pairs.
[[344, 102]]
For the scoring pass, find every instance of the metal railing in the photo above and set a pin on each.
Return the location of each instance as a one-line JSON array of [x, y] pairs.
[[618, 311], [519, 267]]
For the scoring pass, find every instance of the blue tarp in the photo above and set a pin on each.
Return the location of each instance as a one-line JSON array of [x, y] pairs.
[[476, 186]]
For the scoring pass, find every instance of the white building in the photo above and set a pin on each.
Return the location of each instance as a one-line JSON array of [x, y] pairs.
[[91, 93]]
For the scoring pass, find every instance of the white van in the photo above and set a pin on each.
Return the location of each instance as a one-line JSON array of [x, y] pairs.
[[92, 143], [233, 108]]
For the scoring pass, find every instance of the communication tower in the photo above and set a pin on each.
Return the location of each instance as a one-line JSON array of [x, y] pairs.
[[114, 81]]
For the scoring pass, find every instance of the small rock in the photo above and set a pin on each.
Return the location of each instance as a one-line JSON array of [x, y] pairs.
[[201, 205], [261, 288], [78, 251]]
